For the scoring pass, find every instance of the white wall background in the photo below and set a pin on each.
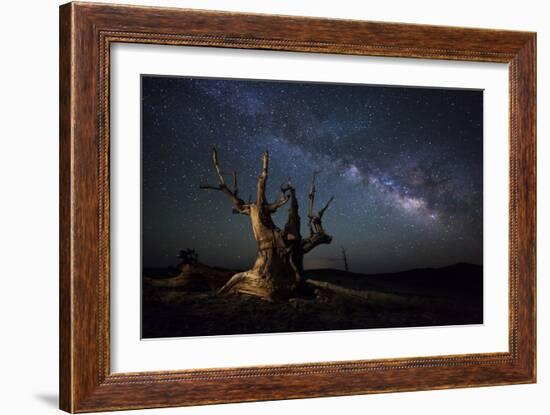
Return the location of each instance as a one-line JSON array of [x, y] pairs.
[[28, 206]]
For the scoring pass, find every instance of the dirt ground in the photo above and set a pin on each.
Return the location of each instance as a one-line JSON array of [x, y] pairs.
[[430, 297]]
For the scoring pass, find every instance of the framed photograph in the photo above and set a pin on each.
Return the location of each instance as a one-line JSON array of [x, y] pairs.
[[258, 207]]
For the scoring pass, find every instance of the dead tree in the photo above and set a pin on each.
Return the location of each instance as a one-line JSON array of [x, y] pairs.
[[278, 269], [188, 256], [345, 259]]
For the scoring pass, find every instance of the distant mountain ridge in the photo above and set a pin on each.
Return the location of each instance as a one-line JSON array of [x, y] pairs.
[[455, 280]]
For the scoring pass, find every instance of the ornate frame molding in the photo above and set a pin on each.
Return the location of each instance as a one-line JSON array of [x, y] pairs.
[[87, 31]]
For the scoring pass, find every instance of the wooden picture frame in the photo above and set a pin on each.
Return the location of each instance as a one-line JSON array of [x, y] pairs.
[[86, 33]]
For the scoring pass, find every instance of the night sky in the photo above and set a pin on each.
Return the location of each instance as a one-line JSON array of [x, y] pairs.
[[404, 164]]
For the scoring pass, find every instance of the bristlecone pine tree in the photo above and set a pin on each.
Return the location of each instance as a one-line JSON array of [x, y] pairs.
[[278, 270]]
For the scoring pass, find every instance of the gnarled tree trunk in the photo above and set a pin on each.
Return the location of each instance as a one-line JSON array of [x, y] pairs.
[[278, 269]]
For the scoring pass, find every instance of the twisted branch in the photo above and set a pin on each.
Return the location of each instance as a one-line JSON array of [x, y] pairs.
[[317, 234], [238, 204]]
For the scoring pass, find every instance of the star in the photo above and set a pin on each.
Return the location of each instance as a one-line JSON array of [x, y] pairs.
[[404, 164]]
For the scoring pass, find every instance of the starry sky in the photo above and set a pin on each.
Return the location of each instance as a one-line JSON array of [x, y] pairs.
[[404, 164]]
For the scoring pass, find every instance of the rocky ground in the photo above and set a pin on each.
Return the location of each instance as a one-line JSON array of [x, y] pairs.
[[186, 304]]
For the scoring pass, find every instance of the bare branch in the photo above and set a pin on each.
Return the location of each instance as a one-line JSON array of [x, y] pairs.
[[217, 165], [292, 226], [245, 210], [283, 199], [239, 205], [262, 180], [274, 206], [315, 240], [317, 235], [311, 197], [322, 211]]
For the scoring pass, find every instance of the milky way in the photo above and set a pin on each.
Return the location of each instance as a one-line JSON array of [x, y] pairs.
[[405, 167]]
